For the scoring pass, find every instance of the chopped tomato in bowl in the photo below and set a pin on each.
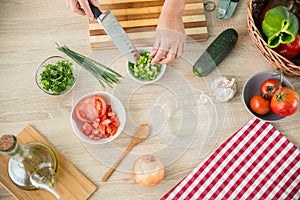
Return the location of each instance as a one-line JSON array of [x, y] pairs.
[[98, 117]]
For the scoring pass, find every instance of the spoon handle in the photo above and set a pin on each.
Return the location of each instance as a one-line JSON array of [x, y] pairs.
[[124, 154]]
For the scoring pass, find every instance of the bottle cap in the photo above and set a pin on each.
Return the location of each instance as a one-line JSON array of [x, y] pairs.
[[6, 142]]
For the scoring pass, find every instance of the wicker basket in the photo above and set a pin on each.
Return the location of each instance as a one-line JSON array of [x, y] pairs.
[[279, 62]]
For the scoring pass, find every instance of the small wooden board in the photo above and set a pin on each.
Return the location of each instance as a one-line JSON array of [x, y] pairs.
[[139, 20], [71, 183]]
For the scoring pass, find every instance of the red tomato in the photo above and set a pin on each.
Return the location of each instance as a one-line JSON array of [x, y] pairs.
[[289, 50], [285, 101], [259, 105], [268, 87], [99, 121], [100, 105], [285, 53], [294, 46], [85, 110], [90, 108]]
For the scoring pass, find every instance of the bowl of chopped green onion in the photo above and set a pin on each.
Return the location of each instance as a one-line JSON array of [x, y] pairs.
[[143, 71], [56, 75]]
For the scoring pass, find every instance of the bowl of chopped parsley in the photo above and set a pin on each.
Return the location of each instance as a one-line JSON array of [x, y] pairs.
[[143, 71], [56, 75]]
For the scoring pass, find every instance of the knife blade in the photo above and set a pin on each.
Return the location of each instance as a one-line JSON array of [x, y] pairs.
[[116, 32]]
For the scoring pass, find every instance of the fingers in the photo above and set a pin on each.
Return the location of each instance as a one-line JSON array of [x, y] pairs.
[[170, 57], [165, 55], [181, 49], [157, 52], [168, 45], [82, 7], [77, 9], [155, 48], [95, 3], [86, 8], [160, 55]]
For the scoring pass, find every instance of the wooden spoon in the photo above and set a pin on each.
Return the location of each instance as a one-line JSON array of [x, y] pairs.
[[139, 135]]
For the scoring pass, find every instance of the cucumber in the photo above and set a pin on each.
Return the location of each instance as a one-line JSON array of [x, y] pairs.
[[215, 52]]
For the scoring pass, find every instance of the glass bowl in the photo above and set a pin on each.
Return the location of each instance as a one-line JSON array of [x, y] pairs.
[[53, 80]]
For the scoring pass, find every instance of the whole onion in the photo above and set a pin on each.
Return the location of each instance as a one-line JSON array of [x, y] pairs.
[[148, 170]]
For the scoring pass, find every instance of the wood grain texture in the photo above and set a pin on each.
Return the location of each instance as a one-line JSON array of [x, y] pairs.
[[28, 32], [71, 183], [139, 20]]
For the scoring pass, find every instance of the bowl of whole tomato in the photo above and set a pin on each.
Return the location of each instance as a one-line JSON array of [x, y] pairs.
[[270, 97], [98, 117]]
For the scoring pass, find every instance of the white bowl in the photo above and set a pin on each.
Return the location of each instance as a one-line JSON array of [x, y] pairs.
[[162, 70], [117, 107]]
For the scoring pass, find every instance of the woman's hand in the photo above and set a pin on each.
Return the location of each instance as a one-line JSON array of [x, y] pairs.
[[170, 34], [82, 7]]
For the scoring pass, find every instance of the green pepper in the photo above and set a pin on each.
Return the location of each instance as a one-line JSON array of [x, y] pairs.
[[291, 5], [280, 26]]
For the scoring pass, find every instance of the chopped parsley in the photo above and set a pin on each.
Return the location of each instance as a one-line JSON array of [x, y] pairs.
[[57, 78]]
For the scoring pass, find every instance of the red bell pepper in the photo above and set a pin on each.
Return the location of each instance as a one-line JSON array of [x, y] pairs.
[[291, 5], [289, 50]]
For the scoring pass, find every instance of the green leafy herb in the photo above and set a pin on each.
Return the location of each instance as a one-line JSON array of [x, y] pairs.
[[57, 78], [104, 75], [143, 69]]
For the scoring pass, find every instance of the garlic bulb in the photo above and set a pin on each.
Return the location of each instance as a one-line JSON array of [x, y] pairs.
[[223, 89]]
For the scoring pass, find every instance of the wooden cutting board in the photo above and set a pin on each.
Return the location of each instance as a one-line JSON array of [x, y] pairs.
[[71, 183], [139, 19]]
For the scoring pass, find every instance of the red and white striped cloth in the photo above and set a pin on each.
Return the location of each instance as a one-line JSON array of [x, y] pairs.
[[257, 162]]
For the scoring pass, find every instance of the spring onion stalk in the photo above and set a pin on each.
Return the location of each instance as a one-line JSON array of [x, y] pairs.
[[105, 75]]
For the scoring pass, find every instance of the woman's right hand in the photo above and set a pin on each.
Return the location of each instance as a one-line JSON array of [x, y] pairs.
[[82, 7]]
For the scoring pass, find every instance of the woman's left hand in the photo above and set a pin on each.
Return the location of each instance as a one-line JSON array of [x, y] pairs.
[[170, 36]]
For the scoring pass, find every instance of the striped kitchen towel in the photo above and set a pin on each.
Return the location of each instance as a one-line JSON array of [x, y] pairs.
[[257, 162]]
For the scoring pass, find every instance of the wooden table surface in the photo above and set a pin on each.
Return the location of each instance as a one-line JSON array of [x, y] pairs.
[[28, 32]]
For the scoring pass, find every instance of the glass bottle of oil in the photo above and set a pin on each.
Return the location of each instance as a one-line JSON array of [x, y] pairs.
[[31, 166]]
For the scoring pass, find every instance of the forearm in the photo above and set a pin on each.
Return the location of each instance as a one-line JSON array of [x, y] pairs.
[[171, 14], [170, 33], [173, 7]]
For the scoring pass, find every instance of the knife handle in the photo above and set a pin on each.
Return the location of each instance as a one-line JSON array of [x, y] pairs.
[[96, 11]]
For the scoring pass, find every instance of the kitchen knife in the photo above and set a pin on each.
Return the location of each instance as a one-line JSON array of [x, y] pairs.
[[116, 32]]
